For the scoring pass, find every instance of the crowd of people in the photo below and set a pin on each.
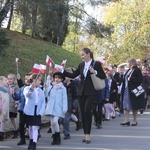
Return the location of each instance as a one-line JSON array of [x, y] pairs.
[[69, 94]]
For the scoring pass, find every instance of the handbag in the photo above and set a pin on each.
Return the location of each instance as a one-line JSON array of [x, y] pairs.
[[97, 82], [138, 91]]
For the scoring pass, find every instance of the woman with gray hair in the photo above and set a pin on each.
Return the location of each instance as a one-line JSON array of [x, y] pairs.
[[132, 79]]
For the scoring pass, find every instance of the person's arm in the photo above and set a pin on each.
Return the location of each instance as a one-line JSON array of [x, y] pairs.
[[3, 89], [74, 74], [19, 81]]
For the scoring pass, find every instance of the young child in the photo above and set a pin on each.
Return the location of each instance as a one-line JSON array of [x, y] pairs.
[[57, 105], [19, 96], [34, 107], [72, 96], [13, 105], [4, 111], [109, 105]]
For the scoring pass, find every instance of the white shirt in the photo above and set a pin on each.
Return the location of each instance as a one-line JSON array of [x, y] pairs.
[[86, 67]]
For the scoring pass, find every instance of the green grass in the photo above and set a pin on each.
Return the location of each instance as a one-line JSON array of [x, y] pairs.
[[30, 51]]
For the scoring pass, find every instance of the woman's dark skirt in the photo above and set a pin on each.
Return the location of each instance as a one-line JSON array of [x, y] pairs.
[[33, 120]]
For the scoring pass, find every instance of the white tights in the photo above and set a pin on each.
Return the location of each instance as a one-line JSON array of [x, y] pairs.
[[54, 124], [33, 133], [2, 126]]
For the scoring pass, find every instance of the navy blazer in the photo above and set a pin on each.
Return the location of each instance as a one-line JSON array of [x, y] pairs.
[[86, 86]]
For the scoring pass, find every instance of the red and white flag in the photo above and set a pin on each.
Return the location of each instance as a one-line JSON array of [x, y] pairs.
[[43, 69], [57, 68], [108, 68], [64, 63], [102, 60], [16, 61], [138, 61], [36, 68], [48, 60]]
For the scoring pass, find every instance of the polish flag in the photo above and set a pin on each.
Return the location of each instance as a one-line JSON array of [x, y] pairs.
[[138, 61], [43, 69], [16, 61], [64, 63], [57, 68], [36, 68], [102, 60], [48, 60], [108, 68]]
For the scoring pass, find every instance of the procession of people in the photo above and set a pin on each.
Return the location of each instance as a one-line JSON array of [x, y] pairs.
[[69, 93]]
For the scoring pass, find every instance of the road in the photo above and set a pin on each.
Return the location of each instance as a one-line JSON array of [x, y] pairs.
[[112, 136]]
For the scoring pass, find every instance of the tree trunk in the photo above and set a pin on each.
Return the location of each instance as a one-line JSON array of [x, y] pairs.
[[4, 11], [34, 17], [11, 14]]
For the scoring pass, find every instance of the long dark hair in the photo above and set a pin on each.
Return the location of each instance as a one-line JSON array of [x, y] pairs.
[[88, 51]]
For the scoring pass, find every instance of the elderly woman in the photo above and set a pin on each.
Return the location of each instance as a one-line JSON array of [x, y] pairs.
[[132, 79]]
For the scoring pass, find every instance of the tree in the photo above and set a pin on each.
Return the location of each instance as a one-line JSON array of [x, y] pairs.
[[4, 11], [131, 37], [3, 40]]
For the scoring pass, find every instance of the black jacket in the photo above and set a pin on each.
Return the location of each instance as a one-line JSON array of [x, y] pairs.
[[86, 86]]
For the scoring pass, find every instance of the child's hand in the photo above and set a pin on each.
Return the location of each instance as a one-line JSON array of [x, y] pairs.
[[16, 105], [64, 113], [12, 90]]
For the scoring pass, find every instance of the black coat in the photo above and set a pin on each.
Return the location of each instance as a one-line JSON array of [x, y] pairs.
[[135, 80], [86, 86]]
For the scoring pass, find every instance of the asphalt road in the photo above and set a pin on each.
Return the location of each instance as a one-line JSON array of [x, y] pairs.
[[112, 136]]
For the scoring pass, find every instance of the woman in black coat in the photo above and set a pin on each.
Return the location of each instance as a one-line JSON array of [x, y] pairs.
[[133, 78], [86, 91]]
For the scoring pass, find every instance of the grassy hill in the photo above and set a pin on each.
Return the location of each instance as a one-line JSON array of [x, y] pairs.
[[30, 51]]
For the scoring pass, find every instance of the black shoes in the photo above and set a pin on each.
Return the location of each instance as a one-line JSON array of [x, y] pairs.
[[125, 123], [99, 126], [134, 124], [22, 142], [67, 136], [86, 141]]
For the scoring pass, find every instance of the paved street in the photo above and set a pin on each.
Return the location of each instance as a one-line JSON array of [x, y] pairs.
[[112, 136]]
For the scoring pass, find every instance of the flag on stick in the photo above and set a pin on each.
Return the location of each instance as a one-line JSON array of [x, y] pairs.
[[138, 61], [64, 63], [102, 60], [108, 68], [57, 68], [49, 61], [16, 62], [36, 68], [43, 69]]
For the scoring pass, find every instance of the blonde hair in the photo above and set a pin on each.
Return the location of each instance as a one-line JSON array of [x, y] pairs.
[[3, 81], [14, 77]]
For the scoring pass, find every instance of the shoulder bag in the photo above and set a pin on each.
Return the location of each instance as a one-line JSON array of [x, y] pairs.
[[97, 82]]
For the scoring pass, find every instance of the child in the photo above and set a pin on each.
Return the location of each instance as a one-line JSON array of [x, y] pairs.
[[34, 107], [18, 96], [57, 105], [4, 112], [13, 105], [109, 105], [72, 96]]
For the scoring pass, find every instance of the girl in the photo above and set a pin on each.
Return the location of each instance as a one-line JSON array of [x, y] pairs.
[[13, 105], [109, 105], [34, 107], [4, 111], [56, 105]]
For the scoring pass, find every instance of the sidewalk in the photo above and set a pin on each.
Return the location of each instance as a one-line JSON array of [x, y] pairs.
[[9, 127]]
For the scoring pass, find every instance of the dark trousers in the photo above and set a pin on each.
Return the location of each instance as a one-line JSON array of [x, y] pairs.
[[97, 112], [22, 122], [86, 105]]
